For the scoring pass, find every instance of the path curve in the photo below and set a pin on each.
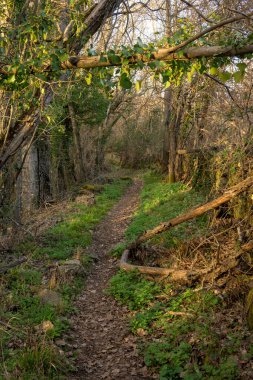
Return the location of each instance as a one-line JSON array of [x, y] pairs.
[[106, 349]]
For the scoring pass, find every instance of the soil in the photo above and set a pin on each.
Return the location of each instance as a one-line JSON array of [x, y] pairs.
[[105, 347]]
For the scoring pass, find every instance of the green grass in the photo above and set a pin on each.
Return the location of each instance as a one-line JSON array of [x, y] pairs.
[[178, 325], [60, 241], [26, 351], [118, 250], [161, 201]]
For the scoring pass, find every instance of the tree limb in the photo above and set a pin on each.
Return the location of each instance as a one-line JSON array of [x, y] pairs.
[[84, 62], [193, 213]]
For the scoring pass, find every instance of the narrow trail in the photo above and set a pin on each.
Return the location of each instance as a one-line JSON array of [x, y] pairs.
[[105, 347]]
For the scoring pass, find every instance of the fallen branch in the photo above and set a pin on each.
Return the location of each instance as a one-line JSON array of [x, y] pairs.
[[185, 275], [193, 213], [12, 265], [174, 274], [200, 150], [165, 54]]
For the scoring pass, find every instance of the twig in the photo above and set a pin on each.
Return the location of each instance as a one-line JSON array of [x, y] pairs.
[[180, 313], [13, 265], [197, 11], [20, 226]]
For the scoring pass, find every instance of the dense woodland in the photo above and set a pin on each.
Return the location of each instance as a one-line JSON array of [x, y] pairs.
[[91, 91]]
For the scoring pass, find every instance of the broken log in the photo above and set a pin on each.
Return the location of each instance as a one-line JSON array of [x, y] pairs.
[[193, 213], [184, 275], [174, 274]]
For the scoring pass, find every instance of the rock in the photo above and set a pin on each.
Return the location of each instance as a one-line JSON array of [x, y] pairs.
[[75, 262], [141, 332], [51, 297], [70, 269], [60, 342]]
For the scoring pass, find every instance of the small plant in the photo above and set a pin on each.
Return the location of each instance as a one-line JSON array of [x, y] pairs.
[[118, 250], [145, 319], [41, 361], [131, 289]]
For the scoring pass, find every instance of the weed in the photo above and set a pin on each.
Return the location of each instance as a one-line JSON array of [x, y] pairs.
[[118, 250], [132, 290], [40, 361]]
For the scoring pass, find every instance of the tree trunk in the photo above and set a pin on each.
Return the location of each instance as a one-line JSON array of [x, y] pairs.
[[78, 159], [28, 123]]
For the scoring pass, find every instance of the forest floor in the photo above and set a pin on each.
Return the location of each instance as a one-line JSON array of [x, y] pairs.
[[106, 348], [98, 322]]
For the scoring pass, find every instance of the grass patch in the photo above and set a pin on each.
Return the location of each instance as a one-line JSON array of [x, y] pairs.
[[118, 250], [161, 201], [27, 351], [61, 241]]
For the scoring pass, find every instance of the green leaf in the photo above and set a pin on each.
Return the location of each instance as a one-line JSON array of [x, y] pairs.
[[88, 79], [225, 76], [152, 65], [11, 79], [125, 82], [55, 63], [238, 76], [242, 67], [138, 85], [103, 59], [115, 59], [213, 71]]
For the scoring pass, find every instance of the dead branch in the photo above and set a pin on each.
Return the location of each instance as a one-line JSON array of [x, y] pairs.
[[193, 213], [187, 276], [12, 265]]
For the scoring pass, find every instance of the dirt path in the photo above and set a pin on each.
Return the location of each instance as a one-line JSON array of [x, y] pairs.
[[106, 349]]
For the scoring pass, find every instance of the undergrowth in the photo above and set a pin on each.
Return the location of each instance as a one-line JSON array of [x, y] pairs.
[[27, 351], [180, 335], [184, 332]]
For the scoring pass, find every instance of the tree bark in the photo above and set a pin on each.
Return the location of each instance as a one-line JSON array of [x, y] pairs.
[[84, 62], [78, 159]]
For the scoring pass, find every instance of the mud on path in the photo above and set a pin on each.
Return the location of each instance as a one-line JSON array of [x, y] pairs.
[[105, 347]]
